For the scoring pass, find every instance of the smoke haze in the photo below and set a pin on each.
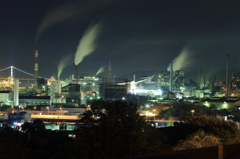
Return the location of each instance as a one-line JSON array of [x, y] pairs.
[[77, 10], [101, 70], [63, 63], [64, 12], [87, 43], [182, 61]]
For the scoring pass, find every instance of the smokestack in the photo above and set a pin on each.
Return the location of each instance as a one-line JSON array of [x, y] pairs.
[[109, 70], [227, 76], [35, 86], [204, 80], [76, 75], [134, 77], [200, 78], [171, 77]]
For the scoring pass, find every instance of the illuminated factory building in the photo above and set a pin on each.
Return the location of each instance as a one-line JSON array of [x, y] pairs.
[[61, 97]]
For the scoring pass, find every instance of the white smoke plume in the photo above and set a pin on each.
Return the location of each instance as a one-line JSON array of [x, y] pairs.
[[60, 14], [63, 63], [101, 70], [182, 61], [77, 10], [87, 43]]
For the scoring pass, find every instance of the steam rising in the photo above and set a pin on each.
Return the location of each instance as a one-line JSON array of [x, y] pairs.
[[63, 13], [102, 69], [73, 10], [63, 63], [182, 60], [87, 43]]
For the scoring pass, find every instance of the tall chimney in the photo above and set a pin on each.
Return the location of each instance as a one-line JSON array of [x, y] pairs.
[[227, 76], [109, 70], [204, 80], [200, 78], [171, 77], [35, 86], [76, 73]]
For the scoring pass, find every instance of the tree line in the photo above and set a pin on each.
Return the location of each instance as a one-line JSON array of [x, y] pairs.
[[115, 130]]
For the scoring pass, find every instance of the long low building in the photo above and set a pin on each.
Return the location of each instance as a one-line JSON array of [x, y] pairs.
[[220, 103], [55, 117]]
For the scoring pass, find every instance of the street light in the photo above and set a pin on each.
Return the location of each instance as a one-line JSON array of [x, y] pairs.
[[48, 110], [61, 110], [154, 110], [12, 109], [192, 112]]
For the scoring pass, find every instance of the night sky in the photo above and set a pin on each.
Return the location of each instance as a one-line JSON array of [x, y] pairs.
[[139, 36]]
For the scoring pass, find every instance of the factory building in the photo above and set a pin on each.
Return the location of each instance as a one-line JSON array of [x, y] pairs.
[[113, 91], [19, 117], [178, 81], [34, 100], [5, 97], [163, 78], [220, 103], [71, 94], [55, 92]]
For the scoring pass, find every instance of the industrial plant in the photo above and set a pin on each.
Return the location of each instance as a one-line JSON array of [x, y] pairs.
[[52, 99], [80, 89]]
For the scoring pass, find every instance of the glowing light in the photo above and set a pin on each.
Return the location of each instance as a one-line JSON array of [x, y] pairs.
[[224, 104], [149, 114], [206, 104]]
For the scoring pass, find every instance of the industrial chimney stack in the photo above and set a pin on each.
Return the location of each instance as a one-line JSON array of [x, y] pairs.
[[36, 67], [200, 80], [76, 73], [171, 77], [109, 70], [227, 76]]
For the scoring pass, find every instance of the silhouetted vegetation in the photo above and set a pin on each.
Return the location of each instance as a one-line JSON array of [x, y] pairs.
[[115, 130]]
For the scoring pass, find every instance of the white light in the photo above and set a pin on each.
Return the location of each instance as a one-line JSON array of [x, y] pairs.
[[123, 98]]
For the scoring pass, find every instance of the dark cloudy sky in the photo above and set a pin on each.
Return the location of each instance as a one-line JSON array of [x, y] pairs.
[[138, 35]]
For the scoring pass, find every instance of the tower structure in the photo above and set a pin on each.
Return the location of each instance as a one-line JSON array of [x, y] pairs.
[[200, 80], [171, 77], [227, 76], [109, 70], [16, 92], [35, 86]]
